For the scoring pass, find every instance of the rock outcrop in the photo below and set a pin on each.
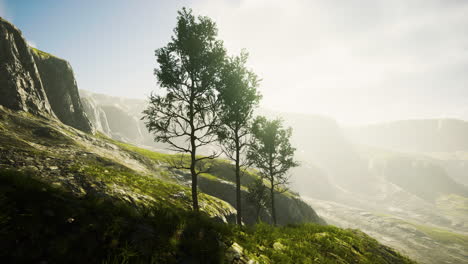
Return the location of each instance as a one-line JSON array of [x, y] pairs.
[[124, 126], [61, 90], [21, 87], [119, 118], [96, 115], [292, 209], [37, 82]]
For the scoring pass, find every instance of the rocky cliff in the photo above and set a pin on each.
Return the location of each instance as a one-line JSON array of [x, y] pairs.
[[61, 90], [96, 115], [118, 118], [37, 82], [21, 87]]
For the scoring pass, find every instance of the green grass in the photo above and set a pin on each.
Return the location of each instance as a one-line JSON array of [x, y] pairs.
[[42, 223], [49, 224], [122, 216], [312, 243], [219, 168], [145, 190], [156, 156]]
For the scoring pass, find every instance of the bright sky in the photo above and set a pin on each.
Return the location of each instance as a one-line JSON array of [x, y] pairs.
[[359, 61]]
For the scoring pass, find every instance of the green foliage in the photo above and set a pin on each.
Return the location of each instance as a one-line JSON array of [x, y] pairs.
[[185, 116], [270, 150], [238, 96], [271, 153]]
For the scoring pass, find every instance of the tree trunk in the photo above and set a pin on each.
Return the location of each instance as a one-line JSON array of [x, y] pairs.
[[238, 185], [259, 208], [273, 210], [194, 176], [193, 153]]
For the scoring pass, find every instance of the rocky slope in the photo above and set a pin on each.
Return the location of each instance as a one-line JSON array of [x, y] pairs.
[[418, 187], [61, 90], [37, 82], [119, 118], [346, 178], [77, 197], [20, 82], [96, 115], [424, 242], [64, 156], [70, 196]]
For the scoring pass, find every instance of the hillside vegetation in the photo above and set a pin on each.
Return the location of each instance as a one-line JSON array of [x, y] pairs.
[[68, 196]]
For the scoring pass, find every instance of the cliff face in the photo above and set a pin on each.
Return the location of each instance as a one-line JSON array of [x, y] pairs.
[[36, 82], [119, 118], [21, 87], [96, 115], [61, 89]]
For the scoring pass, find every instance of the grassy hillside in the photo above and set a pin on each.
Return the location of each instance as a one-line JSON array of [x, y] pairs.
[[70, 197]]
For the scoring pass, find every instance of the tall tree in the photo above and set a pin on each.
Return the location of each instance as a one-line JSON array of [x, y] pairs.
[[238, 97], [184, 114], [271, 152]]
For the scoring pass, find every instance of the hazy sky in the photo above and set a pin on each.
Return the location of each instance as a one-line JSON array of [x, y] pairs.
[[357, 61]]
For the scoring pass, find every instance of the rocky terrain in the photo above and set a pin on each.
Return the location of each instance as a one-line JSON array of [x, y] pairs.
[[20, 82], [424, 242], [418, 187], [61, 90], [69, 193], [119, 118]]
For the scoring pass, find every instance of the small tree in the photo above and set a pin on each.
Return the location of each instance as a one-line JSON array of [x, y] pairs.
[[238, 97], [184, 116], [258, 196], [271, 152]]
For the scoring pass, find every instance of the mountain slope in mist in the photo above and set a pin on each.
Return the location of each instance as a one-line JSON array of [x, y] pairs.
[[429, 135]]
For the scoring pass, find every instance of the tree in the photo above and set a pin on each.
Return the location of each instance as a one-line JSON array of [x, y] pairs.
[[258, 195], [238, 96], [271, 152], [184, 116]]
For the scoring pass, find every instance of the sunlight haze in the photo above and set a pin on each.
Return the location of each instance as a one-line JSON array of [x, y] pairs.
[[357, 62]]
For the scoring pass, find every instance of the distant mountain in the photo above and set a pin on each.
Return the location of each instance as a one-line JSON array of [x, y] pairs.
[[119, 118], [429, 135], [69, 194]]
